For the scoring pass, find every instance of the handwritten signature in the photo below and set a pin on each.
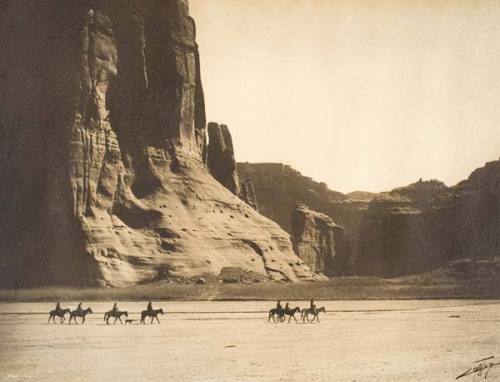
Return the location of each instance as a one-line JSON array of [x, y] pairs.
[[481, 367]]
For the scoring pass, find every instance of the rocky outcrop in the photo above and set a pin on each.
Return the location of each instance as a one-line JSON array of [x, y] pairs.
[[247, 193], [319, 242], [220, 159], [222, 164], [104, 177]]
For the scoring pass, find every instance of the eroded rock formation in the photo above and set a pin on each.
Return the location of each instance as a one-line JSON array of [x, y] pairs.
[[319, 242], [222, 164], [247, 193], [104, 177], [220, 159]]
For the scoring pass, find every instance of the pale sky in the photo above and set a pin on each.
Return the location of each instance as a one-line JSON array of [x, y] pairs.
[[361, 94]]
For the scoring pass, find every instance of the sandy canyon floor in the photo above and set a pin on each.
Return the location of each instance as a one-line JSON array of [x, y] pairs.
[[232, 341]]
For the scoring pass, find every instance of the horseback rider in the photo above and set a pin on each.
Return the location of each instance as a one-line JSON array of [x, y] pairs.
[[58, 306], [279, 308], [313, 306], [79, 307], [115, 308], [150, 307], [287, 308]]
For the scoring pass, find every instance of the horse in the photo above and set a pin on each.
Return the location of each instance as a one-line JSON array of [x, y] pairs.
[[79, 313], [116, 314], [274, 312], [289, 312], [313, 312], [59, 313], [151, 313]]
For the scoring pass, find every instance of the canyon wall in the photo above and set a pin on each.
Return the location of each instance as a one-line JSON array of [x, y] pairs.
[[400, 233], [404, 231], [104, 153]]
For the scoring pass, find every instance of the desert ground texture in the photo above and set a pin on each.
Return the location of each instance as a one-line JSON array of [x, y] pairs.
[[412, 340]]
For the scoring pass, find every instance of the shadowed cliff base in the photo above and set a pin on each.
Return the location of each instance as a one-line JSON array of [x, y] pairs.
[[462, 279]]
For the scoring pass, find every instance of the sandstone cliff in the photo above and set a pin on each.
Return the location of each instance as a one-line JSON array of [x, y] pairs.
[[319, 242], [104, 177]]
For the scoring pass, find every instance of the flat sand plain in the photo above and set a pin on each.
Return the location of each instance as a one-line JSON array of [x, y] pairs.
[[431, 340]]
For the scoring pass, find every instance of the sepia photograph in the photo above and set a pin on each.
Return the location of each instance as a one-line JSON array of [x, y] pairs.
[[249, 190]]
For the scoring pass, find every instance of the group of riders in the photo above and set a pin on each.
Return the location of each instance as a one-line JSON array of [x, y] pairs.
[[281, 312], [73, 314], [114, 312]]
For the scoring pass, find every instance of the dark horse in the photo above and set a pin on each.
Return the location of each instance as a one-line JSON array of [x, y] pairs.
[[289, 312], [275, 312], [151, 313], [116, 314], [59, 313], [79, 313]]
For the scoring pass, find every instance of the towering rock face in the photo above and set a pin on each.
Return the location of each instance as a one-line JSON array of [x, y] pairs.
[[220, 157], [319, 242], [104, 178]]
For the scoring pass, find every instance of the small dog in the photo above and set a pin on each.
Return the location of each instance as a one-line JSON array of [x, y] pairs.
[[129, 321]]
